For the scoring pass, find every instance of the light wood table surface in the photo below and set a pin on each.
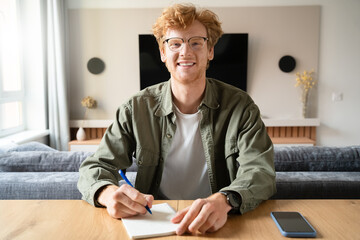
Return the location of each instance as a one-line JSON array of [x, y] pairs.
[[76, 219]]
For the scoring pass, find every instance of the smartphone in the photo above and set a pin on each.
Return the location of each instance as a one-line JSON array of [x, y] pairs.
[[293, 224]]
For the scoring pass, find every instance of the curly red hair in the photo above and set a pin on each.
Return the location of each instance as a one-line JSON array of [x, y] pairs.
[[180, 16]]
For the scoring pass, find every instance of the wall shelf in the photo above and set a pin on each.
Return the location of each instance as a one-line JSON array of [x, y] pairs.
[[90, 145], [90, 123], [269, 122], [289, 132], [292, 131]]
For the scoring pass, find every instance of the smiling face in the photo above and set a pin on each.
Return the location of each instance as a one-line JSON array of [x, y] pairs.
[[187, 66]]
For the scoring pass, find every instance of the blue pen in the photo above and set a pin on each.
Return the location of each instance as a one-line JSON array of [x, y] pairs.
[[122, 174]]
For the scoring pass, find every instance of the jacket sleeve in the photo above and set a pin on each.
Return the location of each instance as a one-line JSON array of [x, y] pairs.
[[255, 175], [114, 153]]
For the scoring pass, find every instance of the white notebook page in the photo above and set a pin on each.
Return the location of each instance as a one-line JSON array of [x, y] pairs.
[[152, 225]]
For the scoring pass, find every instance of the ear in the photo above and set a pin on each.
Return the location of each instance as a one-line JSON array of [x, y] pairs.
[[211, 54], [162, 55]]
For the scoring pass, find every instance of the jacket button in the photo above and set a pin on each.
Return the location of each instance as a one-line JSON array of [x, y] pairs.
[[168, 135], [140, 162]]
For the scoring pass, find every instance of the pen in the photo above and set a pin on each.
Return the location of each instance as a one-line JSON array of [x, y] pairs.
[[122, 174]]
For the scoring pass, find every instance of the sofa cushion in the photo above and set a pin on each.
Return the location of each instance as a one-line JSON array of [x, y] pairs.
[[42, 161], [317, 185], [317, 158], [39, 185], [31, 146], [5, 145]]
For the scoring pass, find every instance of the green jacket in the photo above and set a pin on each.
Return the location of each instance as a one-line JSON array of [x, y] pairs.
[[238, 151]]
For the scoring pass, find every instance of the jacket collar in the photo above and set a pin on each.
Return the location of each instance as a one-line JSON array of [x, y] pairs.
[[165, 106], [211, 95]]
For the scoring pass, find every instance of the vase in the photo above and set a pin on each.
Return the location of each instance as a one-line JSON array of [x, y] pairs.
[[305, 99], [304, 110], [81, 134]]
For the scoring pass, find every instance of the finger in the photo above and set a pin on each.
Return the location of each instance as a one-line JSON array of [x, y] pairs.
[[125, 215], [126, 205], [126, 212], [129, 198], [149, 199], [209, 225], [118, 210], [180, 215], [190, 216], [216, 226], [139, 201], [135, 195], [201, 218]]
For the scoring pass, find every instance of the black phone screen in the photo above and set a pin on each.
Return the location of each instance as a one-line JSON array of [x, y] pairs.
[[292, 222]]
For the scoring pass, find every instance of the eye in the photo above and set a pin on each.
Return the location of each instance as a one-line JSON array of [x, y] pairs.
[[196, 43], [176, 44]]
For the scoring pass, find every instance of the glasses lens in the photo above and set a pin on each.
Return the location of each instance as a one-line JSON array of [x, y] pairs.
[[175, 43], [196, 43]]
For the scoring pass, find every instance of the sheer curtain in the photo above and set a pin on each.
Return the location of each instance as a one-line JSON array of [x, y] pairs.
[[54, 16]]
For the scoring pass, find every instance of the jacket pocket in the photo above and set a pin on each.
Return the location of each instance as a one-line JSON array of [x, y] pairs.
[[148, 164], [146, 158]]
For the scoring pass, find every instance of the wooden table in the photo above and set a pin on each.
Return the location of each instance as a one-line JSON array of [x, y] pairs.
[[76, 219]]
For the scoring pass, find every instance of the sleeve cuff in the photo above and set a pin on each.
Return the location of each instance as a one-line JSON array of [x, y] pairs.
[[90, 196]]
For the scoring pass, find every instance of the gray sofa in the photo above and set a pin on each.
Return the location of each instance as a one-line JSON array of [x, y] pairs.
[[36, 171], [317, 172]]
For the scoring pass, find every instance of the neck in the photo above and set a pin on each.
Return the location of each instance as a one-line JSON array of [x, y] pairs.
[[187, 97]]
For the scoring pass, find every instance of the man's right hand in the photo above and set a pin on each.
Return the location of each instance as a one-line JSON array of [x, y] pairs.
[[124, 201]]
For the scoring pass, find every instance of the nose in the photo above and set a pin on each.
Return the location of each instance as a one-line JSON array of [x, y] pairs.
[[185, 49]]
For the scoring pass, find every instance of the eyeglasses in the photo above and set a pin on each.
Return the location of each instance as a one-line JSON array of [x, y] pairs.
[[176, 44]]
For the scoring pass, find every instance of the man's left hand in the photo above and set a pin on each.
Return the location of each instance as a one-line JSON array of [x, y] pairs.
[[204, 215]]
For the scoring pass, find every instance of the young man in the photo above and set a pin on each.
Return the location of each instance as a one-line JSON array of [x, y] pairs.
[[192, 137]]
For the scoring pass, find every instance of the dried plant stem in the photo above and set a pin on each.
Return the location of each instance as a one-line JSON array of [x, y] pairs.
[[306, 82], [86, 112], [304, 100]]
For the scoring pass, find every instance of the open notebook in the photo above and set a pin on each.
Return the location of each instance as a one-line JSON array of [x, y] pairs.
[[152, 225]]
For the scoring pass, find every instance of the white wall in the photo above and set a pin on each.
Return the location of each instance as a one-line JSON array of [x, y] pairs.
[[273, 33], [338, 69]]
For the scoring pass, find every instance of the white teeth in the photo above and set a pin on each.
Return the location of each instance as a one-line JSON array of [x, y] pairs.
[[186, 64]]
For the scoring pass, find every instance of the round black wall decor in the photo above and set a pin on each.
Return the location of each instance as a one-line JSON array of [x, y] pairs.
[[95, 65], [287, 63]]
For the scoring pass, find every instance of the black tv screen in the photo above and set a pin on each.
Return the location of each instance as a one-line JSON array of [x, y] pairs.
[[229, 64]]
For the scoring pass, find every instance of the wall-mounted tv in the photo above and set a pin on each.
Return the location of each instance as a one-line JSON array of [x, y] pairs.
[[229, 64]]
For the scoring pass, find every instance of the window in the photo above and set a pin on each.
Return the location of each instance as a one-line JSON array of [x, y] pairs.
[[11, 81]]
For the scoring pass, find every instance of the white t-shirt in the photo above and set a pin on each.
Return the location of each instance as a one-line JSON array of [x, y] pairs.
[[185, 174]]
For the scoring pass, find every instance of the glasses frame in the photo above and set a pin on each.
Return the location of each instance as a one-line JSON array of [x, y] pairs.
[[183, 41]]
